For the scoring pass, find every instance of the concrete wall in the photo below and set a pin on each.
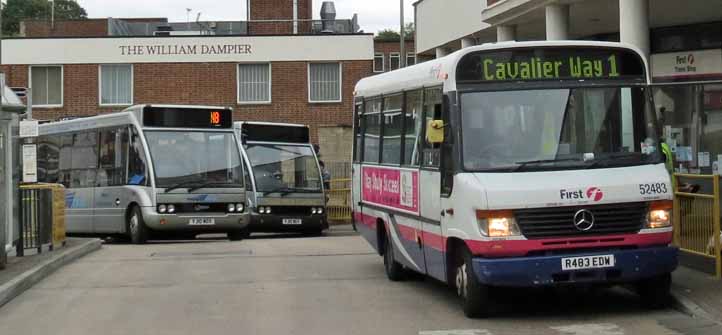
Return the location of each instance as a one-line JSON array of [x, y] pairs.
[[441, 21]]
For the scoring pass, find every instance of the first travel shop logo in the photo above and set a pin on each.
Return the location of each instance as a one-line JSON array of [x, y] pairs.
[[594, 194]]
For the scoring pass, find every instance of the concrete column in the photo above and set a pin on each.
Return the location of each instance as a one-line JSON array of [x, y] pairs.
[[467, 42], [634, 23], [506, 33], [441, 52], [557, 22]]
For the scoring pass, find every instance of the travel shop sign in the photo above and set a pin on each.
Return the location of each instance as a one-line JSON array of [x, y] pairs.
[[198, 49]]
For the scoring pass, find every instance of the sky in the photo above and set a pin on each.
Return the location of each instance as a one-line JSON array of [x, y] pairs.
[[374, 15]]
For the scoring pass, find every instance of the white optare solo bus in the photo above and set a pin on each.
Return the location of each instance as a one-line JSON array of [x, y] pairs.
[[285, 183], [170, 170], [517, 164]]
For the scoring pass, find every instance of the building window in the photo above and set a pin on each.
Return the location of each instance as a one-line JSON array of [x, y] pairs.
[[379, 62], [116, 84], [47, 85], [324, 81], [410, 58], [254, 83], [394, 61]]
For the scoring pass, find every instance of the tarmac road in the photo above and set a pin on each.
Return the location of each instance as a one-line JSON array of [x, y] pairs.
[[281, 284]]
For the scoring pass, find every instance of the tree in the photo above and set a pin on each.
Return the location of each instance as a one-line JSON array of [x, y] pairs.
[[393, 35], [15, 11]]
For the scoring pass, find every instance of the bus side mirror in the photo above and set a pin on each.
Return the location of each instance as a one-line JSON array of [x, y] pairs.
[[435, 132]]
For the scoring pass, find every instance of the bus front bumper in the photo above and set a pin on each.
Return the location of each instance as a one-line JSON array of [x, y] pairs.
[[187, 222], [629, 266], [281, 224]]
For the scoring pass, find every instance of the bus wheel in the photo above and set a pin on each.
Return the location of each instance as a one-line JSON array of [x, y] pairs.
[[654, 291], [136, 226], [394, 270], [239, 235], [474, 295]]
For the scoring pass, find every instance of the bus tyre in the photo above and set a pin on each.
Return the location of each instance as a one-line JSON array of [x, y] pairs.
[[394, 270], [136, 226], [474, 295], [238, 235], [654, 292]]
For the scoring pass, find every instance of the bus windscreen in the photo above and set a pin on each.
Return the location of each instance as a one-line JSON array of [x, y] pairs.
[[187, 118], [551, 64]]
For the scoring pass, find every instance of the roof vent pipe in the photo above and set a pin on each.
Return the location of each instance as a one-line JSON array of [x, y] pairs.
[[328, 15]]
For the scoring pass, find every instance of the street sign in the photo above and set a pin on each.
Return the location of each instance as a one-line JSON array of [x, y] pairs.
[[29, 128], [30, 163]]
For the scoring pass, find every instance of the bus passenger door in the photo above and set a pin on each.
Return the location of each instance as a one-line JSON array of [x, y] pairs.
[[111, 197], [78, 167], [430, 192]]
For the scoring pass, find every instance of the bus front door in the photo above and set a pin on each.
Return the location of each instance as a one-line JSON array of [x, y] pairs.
[[433, 242]]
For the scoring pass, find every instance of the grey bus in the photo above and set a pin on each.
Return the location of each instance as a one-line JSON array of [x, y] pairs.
[[285, 184], [151, 170]]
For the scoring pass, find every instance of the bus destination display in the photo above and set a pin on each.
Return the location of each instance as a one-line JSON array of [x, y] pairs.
[[551, 64], [187, 118]]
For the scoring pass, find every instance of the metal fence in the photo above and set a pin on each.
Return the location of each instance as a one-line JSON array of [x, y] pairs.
[[42, 217], [697, 220], [339, 192]]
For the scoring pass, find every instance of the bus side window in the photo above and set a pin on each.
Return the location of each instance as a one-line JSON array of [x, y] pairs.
[[432, 111], [84, 162], [113, 156], [137, 165], [414, 126]]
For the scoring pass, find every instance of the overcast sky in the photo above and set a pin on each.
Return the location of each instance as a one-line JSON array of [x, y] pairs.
[[374, 15]]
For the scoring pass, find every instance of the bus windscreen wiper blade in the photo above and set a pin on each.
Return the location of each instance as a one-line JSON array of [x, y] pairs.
[[214, 184], [284, 191], [522, 165], [182, 184]]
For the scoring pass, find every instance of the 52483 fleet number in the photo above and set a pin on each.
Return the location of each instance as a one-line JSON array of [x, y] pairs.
[[650, 189]]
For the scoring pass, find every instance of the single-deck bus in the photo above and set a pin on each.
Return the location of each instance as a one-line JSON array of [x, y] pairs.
[[149, 169], [285, 184], [517, 164]]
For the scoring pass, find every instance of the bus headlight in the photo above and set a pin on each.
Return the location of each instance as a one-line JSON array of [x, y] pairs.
[[171, 209], [231, 208], [313, 210], [660, 214], [240, 208], [319, 210], [162, 209], [497, 223], [268, 210]]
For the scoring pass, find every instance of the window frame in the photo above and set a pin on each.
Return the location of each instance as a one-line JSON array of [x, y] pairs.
[[62, 84], [410, 54], [100, 86], [270, 84], [383, 62], [340, 83], [402, 114], [393, 55]]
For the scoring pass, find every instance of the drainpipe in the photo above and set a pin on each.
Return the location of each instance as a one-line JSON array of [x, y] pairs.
[[295, 17]]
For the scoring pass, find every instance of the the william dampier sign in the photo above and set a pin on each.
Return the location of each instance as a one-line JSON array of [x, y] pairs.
[[185, 49]]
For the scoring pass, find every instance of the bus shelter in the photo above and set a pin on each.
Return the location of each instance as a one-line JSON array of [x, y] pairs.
[[10, 169]]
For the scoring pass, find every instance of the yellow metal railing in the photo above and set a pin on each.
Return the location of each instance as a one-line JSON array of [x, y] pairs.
[[697, 220], [339, 200]]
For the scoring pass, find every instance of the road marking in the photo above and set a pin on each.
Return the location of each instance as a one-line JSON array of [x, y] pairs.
[[456, 332], [591, 329]]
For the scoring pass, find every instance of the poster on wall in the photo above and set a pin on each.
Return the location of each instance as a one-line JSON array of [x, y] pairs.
[[30, 163], [391, 188]]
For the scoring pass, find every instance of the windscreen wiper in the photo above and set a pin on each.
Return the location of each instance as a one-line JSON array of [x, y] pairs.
[[182, 184], [522, 165], [611, 156], [284, 191], [215, 184]]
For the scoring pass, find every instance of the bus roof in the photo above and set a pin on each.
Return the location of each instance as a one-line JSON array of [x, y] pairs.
[[91, 122], [442, 71]]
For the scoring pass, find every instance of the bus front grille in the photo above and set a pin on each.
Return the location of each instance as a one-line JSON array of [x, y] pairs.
[[622, 218]]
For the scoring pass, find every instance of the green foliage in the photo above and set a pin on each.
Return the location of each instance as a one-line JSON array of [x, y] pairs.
[[15, 11], [393, 35]]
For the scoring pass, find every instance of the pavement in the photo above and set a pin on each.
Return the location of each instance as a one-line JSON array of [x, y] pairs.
[[22, 273], [698, 294], [286, 284]]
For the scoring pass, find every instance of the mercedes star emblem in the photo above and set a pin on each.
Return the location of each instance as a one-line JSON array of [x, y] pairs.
[[584, 220]]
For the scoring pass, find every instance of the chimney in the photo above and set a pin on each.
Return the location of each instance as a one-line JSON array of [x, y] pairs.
[[328, 15]]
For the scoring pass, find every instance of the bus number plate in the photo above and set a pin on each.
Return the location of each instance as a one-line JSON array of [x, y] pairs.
[[292, 221], [587, 262], [202, 222]]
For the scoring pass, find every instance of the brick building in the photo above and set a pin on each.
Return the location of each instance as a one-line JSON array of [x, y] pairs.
[[277, 66], [387, 54]]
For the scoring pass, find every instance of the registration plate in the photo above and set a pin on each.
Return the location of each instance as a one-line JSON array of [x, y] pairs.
[[202, 222], [587, 262], [292, 221]]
